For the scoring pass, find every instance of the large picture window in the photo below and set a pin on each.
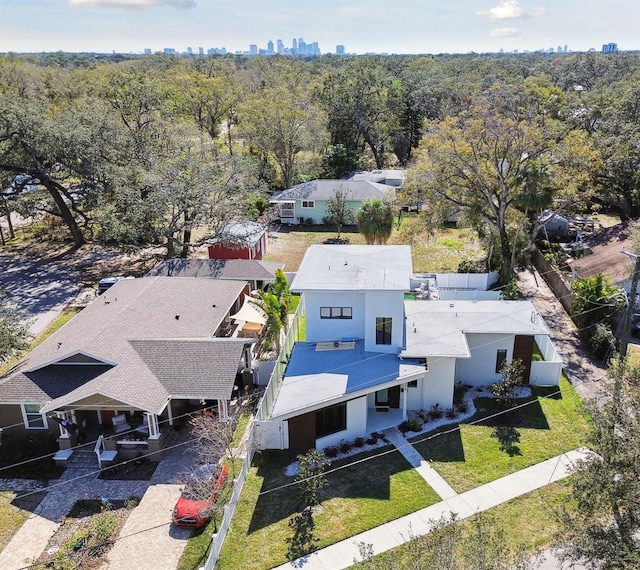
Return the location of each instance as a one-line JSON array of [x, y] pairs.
[[383, 330], [501, 358], [336, 312], [33, 419], [331, 420]]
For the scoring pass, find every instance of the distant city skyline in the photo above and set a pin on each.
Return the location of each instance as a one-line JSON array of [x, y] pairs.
[[359, 26]]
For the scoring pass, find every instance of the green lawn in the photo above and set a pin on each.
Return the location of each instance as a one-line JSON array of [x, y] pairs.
[[477, 454], [357, 498], [528, 523]]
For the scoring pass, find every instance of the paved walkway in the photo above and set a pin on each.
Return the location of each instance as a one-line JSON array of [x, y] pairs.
[[81, 482], [397, 532], [421, 465]]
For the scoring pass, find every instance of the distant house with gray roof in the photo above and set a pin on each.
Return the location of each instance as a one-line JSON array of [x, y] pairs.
[[149, 348], [308, 201]]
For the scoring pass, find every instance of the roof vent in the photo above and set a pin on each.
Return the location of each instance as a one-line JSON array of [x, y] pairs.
[[177, 317], [451, 305]]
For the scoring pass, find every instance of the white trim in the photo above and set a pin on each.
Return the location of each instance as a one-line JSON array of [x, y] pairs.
[[25, 418], [99, 361]]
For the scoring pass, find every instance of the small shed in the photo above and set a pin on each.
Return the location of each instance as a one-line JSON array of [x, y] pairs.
[[241, 240]]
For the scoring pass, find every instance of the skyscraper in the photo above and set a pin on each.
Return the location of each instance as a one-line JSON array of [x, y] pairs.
[[269, 46], [339, 50], [280, 47]]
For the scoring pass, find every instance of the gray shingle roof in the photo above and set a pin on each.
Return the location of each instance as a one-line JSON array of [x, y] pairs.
[[245, 269], [356, 190], [154, 309]]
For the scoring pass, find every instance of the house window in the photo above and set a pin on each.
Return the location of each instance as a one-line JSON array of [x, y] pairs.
[[331, 420], [336, 312], [501, 358], [412, 384], [383, 330], [308, 204], [33, 419]]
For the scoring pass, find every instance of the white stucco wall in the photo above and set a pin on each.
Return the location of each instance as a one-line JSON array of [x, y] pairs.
[[437, 386], [319, 330], [356, 424], [480, 369], [384, 304]]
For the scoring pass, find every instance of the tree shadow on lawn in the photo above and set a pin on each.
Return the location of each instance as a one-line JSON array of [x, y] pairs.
[[529, 416], [443, 445], [369, 479]]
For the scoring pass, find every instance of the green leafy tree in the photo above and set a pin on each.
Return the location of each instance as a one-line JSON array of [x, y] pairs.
[[337, 161], [375, 221], [311, 477], [14, 335], [597, 304], [511, 376], [604, 529], [338, 211]]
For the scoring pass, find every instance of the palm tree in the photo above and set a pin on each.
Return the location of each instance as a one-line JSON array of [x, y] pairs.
[[375, 221]]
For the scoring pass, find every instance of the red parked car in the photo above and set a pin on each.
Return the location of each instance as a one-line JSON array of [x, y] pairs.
[[191, 509]]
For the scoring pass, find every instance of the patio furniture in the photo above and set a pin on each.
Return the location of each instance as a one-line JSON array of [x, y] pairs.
[[120, 423]]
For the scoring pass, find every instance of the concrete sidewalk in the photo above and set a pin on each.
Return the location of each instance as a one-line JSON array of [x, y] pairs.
[[389, 535]]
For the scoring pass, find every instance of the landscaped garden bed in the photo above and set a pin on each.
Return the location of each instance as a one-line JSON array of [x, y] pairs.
[[86, 535]]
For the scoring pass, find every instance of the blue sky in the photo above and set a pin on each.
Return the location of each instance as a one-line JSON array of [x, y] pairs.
[[408, 26]]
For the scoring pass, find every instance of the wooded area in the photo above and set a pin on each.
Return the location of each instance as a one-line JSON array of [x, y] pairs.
[[150, 149]]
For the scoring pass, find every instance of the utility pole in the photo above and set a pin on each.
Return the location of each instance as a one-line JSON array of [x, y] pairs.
[[626, 330]]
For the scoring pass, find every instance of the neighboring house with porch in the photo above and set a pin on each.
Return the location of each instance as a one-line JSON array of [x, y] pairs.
[[308, 201], [240, 240], [372, 353], [148, 349], [258, 273]]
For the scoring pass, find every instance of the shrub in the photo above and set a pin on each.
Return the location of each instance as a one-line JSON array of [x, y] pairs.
[[358, 442], [372, 439], [458, 393], [414, 423], [435, 413], [331, 451], [345, 446], [450, 413], [132, 502], [462, 407]]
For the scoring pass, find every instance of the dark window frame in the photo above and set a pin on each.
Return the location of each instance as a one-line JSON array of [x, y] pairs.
[[337, 313], [384, 330], [331, 420], [501, 358], [307, 207]]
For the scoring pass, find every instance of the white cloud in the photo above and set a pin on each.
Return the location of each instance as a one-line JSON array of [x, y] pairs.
[[510, 33], [134, 4], [508, 10]]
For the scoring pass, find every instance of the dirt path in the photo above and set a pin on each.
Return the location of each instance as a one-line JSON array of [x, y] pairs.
[[586, 375]]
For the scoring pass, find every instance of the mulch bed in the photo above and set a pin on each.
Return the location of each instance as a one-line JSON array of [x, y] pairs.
[[86, 535], [135, 470]]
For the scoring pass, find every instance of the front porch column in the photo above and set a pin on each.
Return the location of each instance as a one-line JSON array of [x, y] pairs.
[[66, 439], [223, 412], [405, 397], [152, 423], [170, 413]]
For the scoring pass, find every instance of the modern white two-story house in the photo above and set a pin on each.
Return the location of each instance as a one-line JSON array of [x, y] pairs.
[[371, 355]]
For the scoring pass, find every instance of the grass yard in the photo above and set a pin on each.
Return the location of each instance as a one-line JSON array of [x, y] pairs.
[[14, 510], [441, 253], [477, 454], [528, 523], [357, 498]]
